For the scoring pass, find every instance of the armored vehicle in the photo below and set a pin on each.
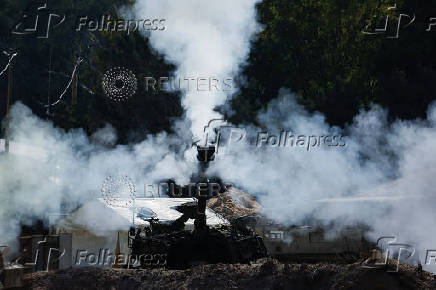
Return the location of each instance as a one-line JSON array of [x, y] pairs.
[[172, 246]]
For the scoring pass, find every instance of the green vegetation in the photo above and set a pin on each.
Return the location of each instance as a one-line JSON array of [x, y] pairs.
[[147, 112], [315, 48], [318, 50]]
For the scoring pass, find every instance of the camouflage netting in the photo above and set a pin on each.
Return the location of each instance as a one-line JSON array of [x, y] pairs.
[[233, 203]]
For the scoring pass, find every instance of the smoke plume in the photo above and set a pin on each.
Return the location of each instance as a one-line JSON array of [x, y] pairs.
[[48, 166], [381, 175], [205, 40]]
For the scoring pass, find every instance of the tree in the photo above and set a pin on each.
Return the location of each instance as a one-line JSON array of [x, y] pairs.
[[318, 50]]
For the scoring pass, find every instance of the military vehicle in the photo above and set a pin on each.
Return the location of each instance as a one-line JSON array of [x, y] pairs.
[[172, 246], [309, 243]]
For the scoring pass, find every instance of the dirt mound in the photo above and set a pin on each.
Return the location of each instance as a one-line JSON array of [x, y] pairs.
[[264, 274]]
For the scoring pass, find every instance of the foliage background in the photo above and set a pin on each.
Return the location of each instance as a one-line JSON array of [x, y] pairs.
[[315, 48]]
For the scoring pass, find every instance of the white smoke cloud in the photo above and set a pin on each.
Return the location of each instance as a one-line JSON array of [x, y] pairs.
[[208, 39], [384, 177], [47, 166]]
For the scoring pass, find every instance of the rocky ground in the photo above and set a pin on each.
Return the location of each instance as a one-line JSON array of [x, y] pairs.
[[264, 274]]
